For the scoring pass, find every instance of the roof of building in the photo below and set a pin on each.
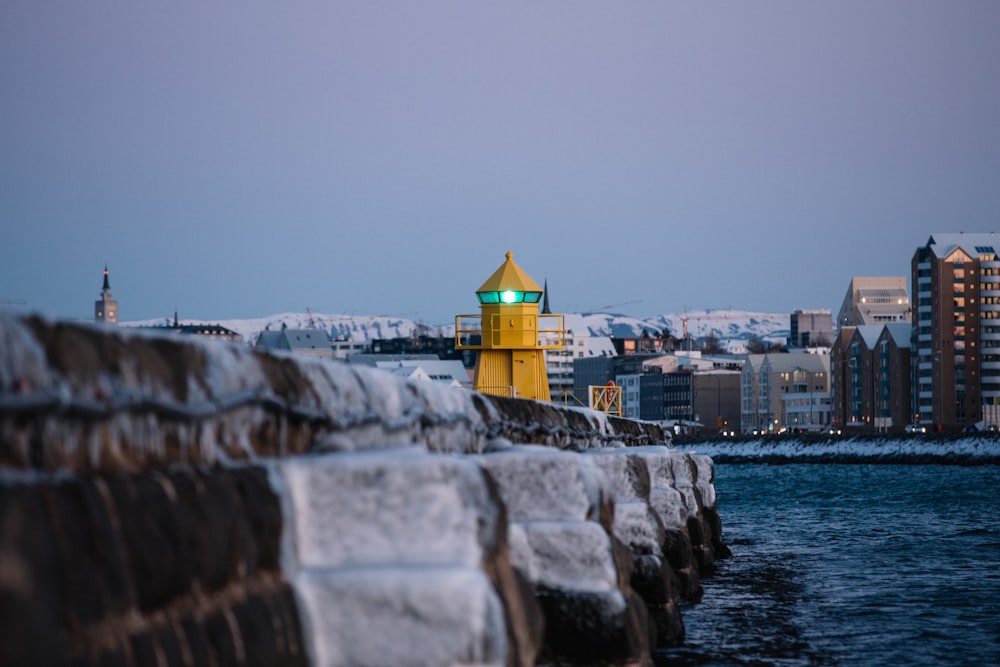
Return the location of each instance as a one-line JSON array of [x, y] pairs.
[[973, 244], [900, 332], [268, 340], [813, 363], [753, 362], [294, 339], [203, 329], [449, 370], [716, 371], [308, 339], [408, 372], [869, 333], [509, 276], [368, 359]]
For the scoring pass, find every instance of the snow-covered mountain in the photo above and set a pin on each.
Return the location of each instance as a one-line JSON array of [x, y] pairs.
[[733, 328]]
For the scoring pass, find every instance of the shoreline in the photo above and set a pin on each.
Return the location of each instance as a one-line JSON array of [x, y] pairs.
[[968, 450]]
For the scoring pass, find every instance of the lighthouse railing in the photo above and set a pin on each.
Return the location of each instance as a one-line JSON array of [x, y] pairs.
[[550, 334]]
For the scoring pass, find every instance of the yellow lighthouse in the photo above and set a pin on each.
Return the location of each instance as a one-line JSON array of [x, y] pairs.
[[513, 335]]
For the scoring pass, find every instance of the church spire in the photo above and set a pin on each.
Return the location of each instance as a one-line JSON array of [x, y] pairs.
[[545, 299], [106, 308]]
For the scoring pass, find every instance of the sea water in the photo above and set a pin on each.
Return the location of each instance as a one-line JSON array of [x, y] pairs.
[[861, 564]]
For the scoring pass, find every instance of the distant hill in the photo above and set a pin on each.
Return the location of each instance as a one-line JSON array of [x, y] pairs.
[[733, 328]]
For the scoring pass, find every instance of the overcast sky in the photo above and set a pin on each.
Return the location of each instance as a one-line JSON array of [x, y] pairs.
[[240, 159]]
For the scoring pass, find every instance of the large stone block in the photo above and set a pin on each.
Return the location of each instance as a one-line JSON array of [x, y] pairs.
[[541, 483], [401, 616], [388, 507], [381, 539], [564, 554]]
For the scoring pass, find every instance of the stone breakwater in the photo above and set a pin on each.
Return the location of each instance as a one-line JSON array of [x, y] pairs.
[[178, 501]]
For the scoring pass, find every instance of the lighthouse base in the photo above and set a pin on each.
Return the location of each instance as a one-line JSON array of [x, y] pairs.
[[513, 373]]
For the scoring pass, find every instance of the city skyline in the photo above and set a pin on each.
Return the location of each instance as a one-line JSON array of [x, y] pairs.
[[239, 161]]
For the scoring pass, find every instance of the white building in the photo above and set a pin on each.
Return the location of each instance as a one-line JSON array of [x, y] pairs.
[[880, 300], [450, 371], [628, 385], [345, 348], [579, 344]]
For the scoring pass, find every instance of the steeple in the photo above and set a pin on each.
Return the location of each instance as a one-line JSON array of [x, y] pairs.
[[545, 299], [106, 308]]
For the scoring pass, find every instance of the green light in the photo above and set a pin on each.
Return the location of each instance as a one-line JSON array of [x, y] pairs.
[[508, 297], [488, 297]]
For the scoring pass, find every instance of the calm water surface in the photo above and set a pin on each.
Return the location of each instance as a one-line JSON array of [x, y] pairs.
[[852, 565]]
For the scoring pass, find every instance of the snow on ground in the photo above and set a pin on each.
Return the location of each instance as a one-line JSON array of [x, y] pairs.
[[971, 450]]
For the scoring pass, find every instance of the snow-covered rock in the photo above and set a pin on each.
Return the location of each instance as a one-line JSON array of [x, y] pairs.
[[394, 523], [972, 449], [391, 552], [560, 508]]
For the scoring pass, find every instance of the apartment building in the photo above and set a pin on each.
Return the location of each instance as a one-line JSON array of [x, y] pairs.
[[955, 346], [871, 377], [894, 399], [874, 301], [852, 375], [868, 354], [785, 391]]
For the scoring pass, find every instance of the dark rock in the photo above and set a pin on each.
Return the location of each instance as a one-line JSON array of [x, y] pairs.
[[593, 628]]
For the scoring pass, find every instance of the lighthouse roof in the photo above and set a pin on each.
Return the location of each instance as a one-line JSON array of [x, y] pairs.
[[510, 276]]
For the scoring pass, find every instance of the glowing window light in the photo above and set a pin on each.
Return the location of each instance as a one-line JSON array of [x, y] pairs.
[[509, 297]]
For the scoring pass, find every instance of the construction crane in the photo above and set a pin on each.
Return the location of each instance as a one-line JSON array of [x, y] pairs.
[[312, 320], [706, 316]]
